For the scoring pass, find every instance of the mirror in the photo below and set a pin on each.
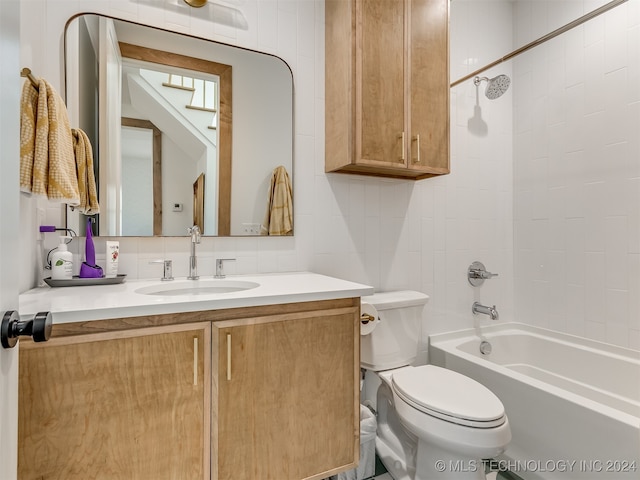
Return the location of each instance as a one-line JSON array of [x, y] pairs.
[[166, 159]]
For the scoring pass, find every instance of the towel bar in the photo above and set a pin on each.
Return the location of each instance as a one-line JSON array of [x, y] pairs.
[[26, 72]]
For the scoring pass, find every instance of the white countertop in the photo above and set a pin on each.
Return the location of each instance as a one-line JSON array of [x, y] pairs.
[[100, 302]]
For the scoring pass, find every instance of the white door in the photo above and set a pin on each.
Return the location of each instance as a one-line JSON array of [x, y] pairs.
[[10, 84]]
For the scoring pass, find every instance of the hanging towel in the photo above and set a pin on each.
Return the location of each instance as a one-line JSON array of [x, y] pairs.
[[278, 219], [47, 160], [86, 178]]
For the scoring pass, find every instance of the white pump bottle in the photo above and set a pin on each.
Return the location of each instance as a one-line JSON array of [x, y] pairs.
[[62, 262]]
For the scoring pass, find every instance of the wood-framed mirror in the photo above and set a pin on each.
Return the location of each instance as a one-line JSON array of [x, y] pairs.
[[253, 132]]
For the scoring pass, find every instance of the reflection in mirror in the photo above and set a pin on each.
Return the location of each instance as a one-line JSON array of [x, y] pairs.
[[141, 146], [153, 146], [191, 101]]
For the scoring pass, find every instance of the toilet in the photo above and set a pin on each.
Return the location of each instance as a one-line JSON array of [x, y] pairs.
[[433, 423]]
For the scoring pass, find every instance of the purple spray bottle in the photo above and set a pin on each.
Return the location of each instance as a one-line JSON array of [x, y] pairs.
[[89, 269]]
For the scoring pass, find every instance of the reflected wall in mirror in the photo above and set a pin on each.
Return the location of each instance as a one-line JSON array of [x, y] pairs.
[[141, 146], [166, 111]]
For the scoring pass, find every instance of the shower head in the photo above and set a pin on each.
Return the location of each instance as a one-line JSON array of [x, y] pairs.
[[496, 86]]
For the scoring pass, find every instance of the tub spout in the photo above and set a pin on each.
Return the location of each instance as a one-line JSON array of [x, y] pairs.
[[492, 312]]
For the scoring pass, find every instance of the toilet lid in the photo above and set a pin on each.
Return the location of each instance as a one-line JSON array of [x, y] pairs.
[[449, 395]]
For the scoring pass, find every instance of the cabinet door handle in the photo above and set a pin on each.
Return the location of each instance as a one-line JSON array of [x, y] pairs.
[[401, 137], [195, 360], [228, 356], [416, 139]]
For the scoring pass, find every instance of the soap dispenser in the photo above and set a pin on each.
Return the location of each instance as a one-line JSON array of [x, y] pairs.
[[62, 262]]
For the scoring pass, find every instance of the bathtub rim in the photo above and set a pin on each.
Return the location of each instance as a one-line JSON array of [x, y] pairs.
[[561, 337], [447, 343]]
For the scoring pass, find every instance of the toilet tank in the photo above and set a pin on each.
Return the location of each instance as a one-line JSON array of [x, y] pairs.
[[393, 342]]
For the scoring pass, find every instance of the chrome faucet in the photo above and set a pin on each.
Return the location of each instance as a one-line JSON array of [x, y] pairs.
[[477, 274], [193, 261], [477, 308], [219, 267], [168, 270]]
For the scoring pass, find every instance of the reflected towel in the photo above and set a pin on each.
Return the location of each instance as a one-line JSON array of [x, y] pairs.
[[47, 160], [278, 219], [86, 178]]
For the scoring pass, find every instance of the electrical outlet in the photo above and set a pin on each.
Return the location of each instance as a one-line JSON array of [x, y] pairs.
[[251, 228]]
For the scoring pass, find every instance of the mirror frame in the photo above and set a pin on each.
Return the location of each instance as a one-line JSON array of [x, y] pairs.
[[225, 154]]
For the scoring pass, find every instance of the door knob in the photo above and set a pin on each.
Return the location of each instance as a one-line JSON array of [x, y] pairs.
[[39, 327]]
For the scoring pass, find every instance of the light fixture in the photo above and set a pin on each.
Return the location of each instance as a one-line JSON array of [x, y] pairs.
[[196, 3]]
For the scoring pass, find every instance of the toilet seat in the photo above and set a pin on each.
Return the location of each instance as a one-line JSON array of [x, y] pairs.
[[448, 395]]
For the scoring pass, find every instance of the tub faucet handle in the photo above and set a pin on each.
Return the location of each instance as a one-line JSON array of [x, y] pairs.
[[477, 274]]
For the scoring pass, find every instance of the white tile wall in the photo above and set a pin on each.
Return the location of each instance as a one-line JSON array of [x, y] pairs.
[[535, 18], [576, 172], [467, 215], [576, 100], [388, 233]]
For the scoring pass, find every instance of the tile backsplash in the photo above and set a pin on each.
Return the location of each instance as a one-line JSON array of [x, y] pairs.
[[395, 234]]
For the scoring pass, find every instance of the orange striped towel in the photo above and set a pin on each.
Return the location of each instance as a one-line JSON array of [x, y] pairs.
[[47, 160], [278, 219]]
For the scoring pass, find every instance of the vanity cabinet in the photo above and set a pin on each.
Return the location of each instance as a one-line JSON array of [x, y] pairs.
[[387, 87], [266, 392], [126, 405], [286, 390]]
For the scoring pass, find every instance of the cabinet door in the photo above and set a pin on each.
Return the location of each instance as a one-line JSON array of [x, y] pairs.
[[287, 394], [429, 86], [127, 405], [380, 65]]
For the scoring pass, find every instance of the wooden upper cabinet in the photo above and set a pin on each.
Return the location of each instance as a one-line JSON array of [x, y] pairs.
[[387, 87], [429, 86], [126, 405], [380, 93]]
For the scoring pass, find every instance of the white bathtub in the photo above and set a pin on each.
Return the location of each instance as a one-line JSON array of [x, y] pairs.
[[573, 404]]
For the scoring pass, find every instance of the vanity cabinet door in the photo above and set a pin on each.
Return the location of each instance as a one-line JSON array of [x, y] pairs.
[[286, 396], [122, 405]]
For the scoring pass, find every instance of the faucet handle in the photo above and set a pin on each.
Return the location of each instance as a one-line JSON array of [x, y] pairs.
[[219, 266], [477, 274], [168, 269]]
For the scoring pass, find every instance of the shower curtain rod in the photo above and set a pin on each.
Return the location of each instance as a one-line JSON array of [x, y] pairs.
[[545, 38]]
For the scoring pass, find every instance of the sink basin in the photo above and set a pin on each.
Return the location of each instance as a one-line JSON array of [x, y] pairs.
[[197, 287]]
